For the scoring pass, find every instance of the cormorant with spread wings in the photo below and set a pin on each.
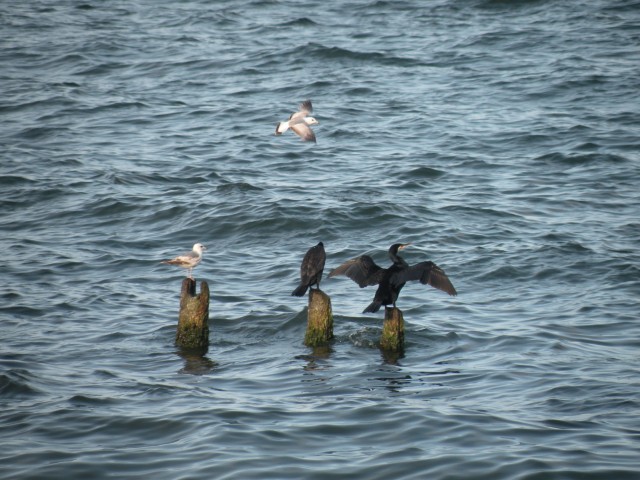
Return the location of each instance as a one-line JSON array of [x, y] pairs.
[[364, 271]]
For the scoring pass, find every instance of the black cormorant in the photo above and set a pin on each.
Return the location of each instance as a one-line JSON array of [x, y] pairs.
[[311, 269], [364, 271]]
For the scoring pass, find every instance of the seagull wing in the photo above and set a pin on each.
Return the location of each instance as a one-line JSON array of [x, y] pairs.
[[185, 259], [362, 270], [297, 117], [304, 131], [306, 106]]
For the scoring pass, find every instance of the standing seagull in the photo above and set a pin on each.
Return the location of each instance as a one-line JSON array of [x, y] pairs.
[[364, 271], [311, 269], [299, 122], [189, 259]]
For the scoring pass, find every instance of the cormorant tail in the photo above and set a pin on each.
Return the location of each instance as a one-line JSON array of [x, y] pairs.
[[373, 307], [300, 291]]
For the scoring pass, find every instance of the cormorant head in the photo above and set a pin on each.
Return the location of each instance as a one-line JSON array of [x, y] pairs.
[[396, 247]]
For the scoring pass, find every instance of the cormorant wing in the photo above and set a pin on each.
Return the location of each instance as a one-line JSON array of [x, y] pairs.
[[429, 274], [362, 270], [313, 262]]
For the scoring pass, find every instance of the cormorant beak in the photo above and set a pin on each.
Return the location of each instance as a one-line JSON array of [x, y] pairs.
[[404, 245]]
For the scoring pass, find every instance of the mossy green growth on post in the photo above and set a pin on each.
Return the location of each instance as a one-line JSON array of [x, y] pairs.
[[319, 319], [193, 321], [392, 338]]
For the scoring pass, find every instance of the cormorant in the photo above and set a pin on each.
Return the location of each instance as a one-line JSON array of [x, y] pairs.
[[300, 122], [188, 260], [311, 269], [364, 271]]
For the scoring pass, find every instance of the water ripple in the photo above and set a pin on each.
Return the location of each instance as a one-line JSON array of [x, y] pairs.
[[484, 133]]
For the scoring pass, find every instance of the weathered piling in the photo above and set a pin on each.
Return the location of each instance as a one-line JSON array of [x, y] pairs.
[[392, 338], [319, 319], [193, 321]]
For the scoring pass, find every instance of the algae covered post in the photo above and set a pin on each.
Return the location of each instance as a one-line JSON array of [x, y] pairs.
[[193, 321], [319, 319], [392, 337]]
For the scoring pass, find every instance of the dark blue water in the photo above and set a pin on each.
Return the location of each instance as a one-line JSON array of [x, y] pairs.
[[501, 138]]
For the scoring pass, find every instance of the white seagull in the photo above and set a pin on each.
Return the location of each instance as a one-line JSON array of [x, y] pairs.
[[299, 122], [189, 259]]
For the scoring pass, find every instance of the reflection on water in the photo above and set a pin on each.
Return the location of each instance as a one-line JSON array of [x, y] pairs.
[[390, 357], [317, 360], [195, 361], [506, 151]]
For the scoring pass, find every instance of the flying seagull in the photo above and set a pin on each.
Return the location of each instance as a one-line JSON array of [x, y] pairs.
[[189, 259], [299, 122]]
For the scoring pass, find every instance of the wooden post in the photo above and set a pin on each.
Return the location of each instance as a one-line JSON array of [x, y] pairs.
[[193, 321], [392, 338], [319, 319]]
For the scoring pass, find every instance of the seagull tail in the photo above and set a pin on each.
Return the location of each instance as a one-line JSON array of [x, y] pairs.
[[282, 127]]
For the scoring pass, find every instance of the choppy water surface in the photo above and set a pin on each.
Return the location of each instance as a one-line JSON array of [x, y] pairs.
[[501, 138]]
